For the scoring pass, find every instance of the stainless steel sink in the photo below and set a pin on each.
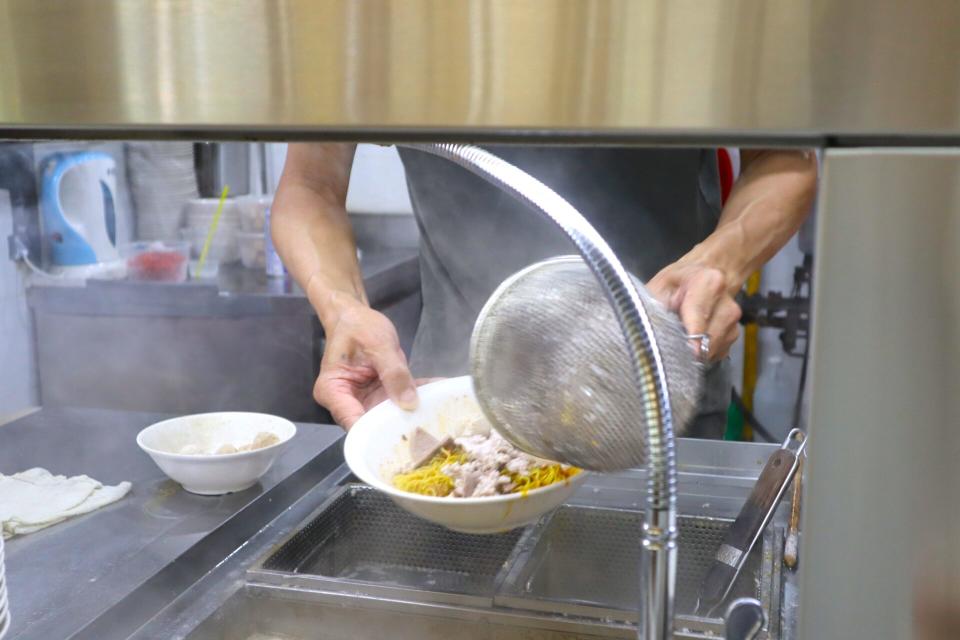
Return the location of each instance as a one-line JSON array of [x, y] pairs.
[[359, 541], [342, 561], [585, 562], [271, 613], [359, 566]]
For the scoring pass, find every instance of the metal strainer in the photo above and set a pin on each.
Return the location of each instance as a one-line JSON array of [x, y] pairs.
[[552, 372]]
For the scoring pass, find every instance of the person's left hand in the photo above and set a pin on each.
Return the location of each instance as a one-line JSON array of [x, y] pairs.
[[704, 301]]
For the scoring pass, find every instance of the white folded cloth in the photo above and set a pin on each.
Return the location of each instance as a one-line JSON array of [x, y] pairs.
[[34, 499]]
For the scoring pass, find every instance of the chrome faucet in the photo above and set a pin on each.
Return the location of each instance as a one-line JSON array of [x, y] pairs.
[[659, 535]]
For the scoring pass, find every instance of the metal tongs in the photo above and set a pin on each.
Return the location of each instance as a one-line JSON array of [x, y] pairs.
[[749, 526]]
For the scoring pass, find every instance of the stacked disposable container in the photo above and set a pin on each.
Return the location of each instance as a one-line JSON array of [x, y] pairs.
[[253, 217], [162, 179], [198, 215]]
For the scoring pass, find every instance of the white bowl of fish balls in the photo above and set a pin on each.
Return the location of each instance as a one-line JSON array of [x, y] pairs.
[[444, 463], [217, 453]]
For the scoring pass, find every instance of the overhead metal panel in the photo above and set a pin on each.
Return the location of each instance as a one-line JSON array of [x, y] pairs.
[[663, 70]]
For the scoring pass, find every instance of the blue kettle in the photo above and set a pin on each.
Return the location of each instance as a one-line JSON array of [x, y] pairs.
[[77, 205]]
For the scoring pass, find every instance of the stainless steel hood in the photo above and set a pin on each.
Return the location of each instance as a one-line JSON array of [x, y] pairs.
[[610, 70]]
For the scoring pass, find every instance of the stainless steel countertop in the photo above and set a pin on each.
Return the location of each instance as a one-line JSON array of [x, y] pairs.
[[388, 275], [173, 558], [63, 577]]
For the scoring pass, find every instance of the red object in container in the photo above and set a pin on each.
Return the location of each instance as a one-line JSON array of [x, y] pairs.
[[158, 266]]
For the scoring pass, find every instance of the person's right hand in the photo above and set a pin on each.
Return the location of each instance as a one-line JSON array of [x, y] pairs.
[[362, 365]]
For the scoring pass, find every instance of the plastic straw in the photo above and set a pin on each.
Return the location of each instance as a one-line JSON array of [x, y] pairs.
[[213, 229]]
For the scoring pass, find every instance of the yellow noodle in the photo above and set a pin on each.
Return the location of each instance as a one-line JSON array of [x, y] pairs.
[[430, 480], [541, 477]]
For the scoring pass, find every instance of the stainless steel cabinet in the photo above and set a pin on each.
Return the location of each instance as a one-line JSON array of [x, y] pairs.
[[188, 349], [881, 516]]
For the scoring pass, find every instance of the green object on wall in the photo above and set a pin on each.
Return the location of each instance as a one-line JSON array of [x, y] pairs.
[[735, 422]]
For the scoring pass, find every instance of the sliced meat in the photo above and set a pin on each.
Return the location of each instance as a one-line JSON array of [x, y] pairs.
[[487, 484], [465, 478], [488, 470], [423, 446], [521, 465]]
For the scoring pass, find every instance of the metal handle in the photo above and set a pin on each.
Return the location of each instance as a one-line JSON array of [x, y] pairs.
[[793, 530], [750, 524], [745, 619]]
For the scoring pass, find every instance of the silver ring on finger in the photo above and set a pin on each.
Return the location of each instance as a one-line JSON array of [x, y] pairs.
[[704, 342]]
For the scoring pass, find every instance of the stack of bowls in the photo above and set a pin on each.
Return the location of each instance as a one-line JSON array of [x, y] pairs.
[[162, 179], [4, 607], [198, 216]]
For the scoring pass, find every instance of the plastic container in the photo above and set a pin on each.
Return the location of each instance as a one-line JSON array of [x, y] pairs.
[[156, 261], [198, 213], [253, 212], [274, 266], [198, 216], [210, 271], [252, 250], [223, 248]]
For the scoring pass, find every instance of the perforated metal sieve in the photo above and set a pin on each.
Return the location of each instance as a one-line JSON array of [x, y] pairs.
[[552, 372]]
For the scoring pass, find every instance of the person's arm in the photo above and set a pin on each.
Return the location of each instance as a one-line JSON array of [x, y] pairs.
[[767, 205], [362, 359], [311, 230]]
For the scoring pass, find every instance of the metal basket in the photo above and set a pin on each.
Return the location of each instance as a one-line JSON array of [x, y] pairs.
[[580, 562], [586, 560], [360, 540], [552, 372]]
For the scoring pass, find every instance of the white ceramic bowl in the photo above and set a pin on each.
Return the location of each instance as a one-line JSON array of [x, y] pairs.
[[374, 445], [215, 474]]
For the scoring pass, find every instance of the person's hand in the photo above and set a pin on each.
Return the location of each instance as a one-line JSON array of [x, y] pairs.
[[704, 301], [362, 365]]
